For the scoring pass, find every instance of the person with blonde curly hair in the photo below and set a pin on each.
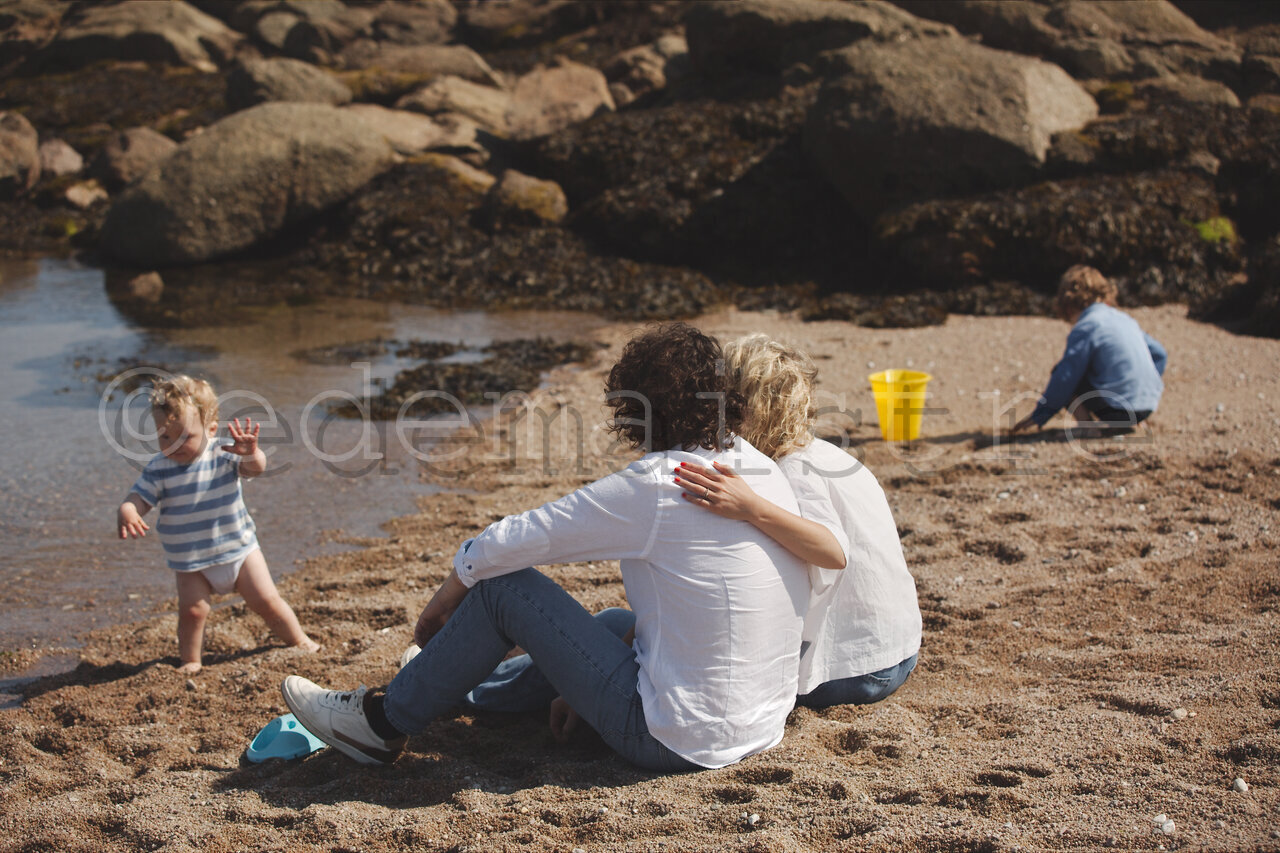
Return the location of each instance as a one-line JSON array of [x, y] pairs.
[[862, 624], [208, 536], [1111, 373]]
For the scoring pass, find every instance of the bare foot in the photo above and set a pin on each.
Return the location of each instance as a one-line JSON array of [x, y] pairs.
[[308, 645], [191, 667]]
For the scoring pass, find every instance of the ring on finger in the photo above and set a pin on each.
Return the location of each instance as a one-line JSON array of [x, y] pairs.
[[706, 493]]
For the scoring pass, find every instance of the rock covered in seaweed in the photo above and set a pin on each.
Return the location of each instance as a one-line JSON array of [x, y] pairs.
[[416, 233], [1154, 232]]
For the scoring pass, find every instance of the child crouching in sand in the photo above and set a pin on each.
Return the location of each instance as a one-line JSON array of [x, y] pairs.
[[206, 531], [1111, 373]]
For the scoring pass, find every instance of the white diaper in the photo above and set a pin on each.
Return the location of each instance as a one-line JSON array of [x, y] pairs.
[[222, 577]]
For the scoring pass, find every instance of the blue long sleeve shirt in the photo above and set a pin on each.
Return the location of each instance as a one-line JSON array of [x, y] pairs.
[[1108, 349]]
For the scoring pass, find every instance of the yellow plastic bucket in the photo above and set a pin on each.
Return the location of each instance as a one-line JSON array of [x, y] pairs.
[[899, 402]]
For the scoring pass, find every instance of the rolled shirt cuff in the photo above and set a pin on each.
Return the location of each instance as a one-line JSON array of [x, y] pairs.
[[463, 566]]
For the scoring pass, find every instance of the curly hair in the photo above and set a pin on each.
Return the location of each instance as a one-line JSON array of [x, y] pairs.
[[1082, 286], [175, 395], [776, 381], [668, 389]]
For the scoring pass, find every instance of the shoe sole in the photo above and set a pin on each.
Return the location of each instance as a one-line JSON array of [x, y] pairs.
[[364, 755]]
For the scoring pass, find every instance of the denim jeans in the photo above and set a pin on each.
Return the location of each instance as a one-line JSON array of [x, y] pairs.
[[577, 656], [859, 689], [517, 685]]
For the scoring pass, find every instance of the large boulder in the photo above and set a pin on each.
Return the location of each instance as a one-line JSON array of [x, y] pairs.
[[898, 122], [410, 133], [317, 38], [1098, 38], [19, 155], [255, 81], [448, 95], [321, 38], [241, 181], [171, 32], [430, 60], [423, 22], [272, 29], [771, 35], [548, 99], [1163, 235], [128, 154]]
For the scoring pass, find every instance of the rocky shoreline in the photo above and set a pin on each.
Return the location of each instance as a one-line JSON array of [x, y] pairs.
[[881, 163]]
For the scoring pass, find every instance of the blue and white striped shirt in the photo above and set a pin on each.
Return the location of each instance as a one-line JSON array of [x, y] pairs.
[[203, 520]]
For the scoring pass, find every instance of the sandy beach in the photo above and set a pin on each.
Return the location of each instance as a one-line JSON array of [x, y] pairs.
[[1099, 663]]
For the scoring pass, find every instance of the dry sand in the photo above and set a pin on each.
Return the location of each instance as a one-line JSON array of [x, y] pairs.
[[1099, 650]]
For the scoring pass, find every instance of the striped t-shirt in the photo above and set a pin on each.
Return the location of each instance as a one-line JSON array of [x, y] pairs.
[[203, 520]]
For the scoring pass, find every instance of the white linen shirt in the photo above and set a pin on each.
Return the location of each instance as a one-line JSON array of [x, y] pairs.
[[719, 605], [864, 617]]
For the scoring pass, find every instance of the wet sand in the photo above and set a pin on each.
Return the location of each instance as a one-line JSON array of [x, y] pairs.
[[1099, 649]]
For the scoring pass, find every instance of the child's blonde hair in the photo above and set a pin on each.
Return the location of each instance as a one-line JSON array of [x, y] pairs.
[[777, 382], [174, 396], [1082, 286]]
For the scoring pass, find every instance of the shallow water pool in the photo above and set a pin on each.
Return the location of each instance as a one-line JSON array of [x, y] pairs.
[[73, 441]]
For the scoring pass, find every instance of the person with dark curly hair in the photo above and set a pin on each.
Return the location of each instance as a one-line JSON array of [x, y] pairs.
[[702, 671], [668, 390]]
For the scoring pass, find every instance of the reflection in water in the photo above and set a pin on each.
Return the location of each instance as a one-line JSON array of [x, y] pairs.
[[70, 452]]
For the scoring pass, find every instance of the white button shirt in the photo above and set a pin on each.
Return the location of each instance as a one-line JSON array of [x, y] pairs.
[[719, 605], [864, 617]]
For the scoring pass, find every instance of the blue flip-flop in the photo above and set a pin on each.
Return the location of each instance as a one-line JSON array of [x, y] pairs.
[[283, 737]]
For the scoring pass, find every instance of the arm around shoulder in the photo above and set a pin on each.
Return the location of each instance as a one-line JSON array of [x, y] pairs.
[[729, 496]]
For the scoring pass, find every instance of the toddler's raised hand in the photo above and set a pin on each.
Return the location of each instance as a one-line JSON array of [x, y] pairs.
[[246, 439]]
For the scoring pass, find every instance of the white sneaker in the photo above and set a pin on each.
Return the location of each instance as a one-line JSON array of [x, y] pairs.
[[409, 654], [338, 719]]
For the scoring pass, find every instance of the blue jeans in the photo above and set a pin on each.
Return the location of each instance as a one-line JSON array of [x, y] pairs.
[[517, 685], [860, 689], [577, 656]]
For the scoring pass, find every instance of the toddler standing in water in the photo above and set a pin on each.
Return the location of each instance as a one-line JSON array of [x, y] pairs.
[[206, 531]]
